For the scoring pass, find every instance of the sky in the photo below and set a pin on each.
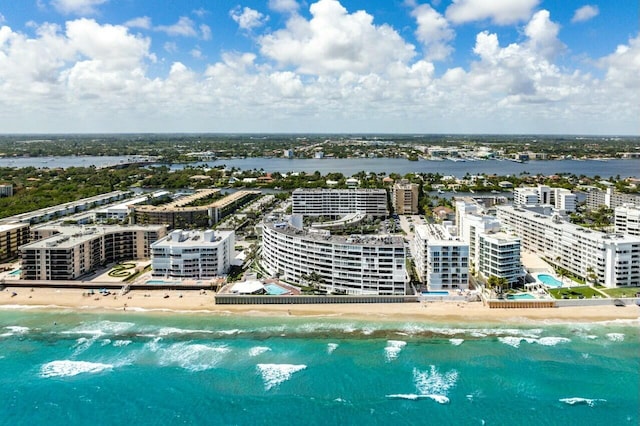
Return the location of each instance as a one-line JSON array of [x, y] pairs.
[[320, 66]]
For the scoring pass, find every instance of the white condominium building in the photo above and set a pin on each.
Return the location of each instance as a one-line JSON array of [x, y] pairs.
[[338, 202], [442, 261], [613, 258], [193, 254], [499, 255], [356, 264], [627, 219], [610, 198], [74, 250], [560, 198], [491, 252]]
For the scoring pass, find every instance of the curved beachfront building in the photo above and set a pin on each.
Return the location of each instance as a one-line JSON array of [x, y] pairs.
[[355, 264]]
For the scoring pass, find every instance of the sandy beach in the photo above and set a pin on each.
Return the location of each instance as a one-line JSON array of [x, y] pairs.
[[202, 302]]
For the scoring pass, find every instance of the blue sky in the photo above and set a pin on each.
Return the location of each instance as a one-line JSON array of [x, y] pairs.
[[461, 66]]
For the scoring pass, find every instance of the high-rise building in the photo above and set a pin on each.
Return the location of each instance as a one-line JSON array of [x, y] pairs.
[[613, 258], [74, 250], [193, 254], [12, 236], [405, 197], [338, 202], [627, 219], [355, 264], [442, 260]]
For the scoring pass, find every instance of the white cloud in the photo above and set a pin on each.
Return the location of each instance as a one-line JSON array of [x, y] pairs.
[[433, 31], [334, 40], [500, 12], [143, 22], [543, 35], [86, 76], [77, 7], [200, 13], [585, 13], [170, 47], [205, 32], [2, 19], [284, 6], [196, 53], [247, 18], [185, 27]]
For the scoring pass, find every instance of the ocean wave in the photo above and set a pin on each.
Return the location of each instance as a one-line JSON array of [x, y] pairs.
[[120, 343], [419, 329], [441, 399], [432, 382], [101, 328], [105, 342], [393, 349], [192, 357], [581, 401], [167, 331], [615, 337], [68, 368], [258, 350], [515, 341], [17, 329], [456, 342], [274, 374], [552, 341], [331, 347], [82, 344]]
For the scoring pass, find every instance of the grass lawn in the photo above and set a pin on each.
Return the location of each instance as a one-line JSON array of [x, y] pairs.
[[622, 292], [574, 293]]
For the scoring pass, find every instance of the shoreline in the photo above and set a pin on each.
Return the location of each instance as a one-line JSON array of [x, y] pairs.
[[185, 302]]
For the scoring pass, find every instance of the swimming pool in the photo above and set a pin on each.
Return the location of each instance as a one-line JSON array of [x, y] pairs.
[[16, 272], [161, 282], [521, 296], [549, 281], [275, 290], [435, 293]]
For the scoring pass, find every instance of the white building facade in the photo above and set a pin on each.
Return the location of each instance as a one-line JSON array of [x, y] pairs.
[[613, 258], [442, 261], [343, 264], [193, 254], [338, 202]]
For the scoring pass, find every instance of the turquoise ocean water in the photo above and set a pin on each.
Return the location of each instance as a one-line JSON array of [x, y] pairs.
[[66, 368]]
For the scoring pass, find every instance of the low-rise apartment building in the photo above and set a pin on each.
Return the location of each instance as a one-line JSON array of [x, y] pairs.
[[12, 236]]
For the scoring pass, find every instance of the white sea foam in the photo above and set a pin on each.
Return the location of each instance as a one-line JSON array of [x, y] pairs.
[[16, 329], [230, 332], [101, 328], [552, 341], [68, 368], [432, 382], [274, 374], [105, 342], [393, 349], [615, 337], [82, 344], [192, 357], [581, 401], [515, 341], [258, 350], [456, 342], [119, 343], [167, 331], [441, 399], [331, 347]]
